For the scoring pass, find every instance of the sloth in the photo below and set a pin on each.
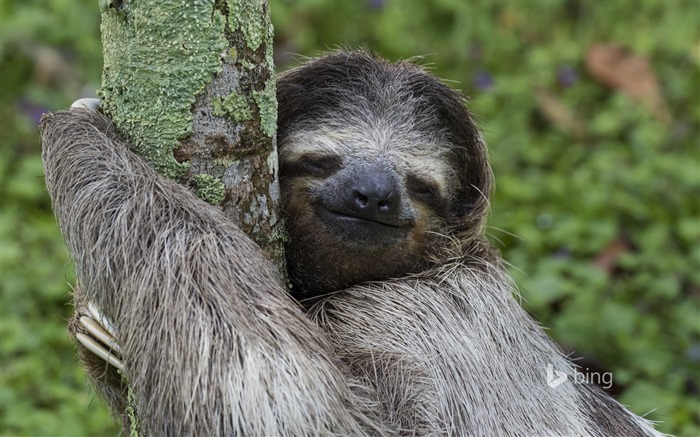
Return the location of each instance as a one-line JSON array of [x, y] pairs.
[[402, 319]]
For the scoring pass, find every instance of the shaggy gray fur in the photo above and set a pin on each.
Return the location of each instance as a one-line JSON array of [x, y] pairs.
[[214, 346]]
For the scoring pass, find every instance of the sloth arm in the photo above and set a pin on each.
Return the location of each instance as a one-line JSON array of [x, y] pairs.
[[451, 349], [211, 343]]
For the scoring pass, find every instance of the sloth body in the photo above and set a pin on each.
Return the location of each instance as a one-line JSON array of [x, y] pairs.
[[410, 325]]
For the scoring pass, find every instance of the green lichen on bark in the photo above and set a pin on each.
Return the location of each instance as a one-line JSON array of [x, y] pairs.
[[245, 15], [234, 106], [131, 412], [158, 56], [267, 105], [209, 188]]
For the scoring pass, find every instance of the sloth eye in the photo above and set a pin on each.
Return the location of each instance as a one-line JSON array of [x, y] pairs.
[[423, 189], [314, 165]]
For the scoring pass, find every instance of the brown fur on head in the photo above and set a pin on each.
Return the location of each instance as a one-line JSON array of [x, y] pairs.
[[349, 117]]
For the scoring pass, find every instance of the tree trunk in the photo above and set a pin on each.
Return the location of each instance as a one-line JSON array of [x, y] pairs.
[[191, 86]]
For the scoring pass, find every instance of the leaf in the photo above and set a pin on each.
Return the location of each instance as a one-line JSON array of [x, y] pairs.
[[618, 68]]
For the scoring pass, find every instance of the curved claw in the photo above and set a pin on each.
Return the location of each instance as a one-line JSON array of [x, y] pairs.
[[101, 339], [103, 321], [99, 350], [88, 103], [100, 333]]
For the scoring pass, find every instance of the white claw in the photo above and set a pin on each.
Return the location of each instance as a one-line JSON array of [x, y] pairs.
[[87, 103], [101, 339], [100, 351], [102, 319], [97, 331]]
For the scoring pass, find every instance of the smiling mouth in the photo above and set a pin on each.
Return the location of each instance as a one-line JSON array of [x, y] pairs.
[[335, 215], [361, 232]]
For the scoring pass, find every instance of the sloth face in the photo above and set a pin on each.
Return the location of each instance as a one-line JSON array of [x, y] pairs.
[[363, 201], [378, 163], [367, 187]]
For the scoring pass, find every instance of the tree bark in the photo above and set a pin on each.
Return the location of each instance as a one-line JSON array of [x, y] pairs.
[[191, 86]]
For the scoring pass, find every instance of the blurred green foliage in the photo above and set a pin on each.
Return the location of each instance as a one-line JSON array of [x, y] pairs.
[[601, 224]]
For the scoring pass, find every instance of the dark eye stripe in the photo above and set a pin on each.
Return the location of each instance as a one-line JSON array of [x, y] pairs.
[[425, 191], [421, 186], [312, 165]]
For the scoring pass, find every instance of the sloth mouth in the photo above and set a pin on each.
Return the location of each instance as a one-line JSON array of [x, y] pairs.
[[362, 231], [338, 215], [342, 216]]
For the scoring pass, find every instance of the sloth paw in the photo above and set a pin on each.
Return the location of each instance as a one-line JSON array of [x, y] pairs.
[[101, 339]]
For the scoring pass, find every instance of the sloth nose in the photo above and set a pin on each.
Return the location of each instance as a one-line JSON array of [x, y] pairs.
[[374, 196]]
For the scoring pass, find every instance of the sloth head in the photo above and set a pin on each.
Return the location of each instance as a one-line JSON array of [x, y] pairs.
[[381, 167]]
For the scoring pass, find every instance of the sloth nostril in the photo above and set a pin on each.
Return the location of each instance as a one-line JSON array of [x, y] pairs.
[[361, 199]]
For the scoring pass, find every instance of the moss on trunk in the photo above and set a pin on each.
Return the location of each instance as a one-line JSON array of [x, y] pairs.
[[191, 86]]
